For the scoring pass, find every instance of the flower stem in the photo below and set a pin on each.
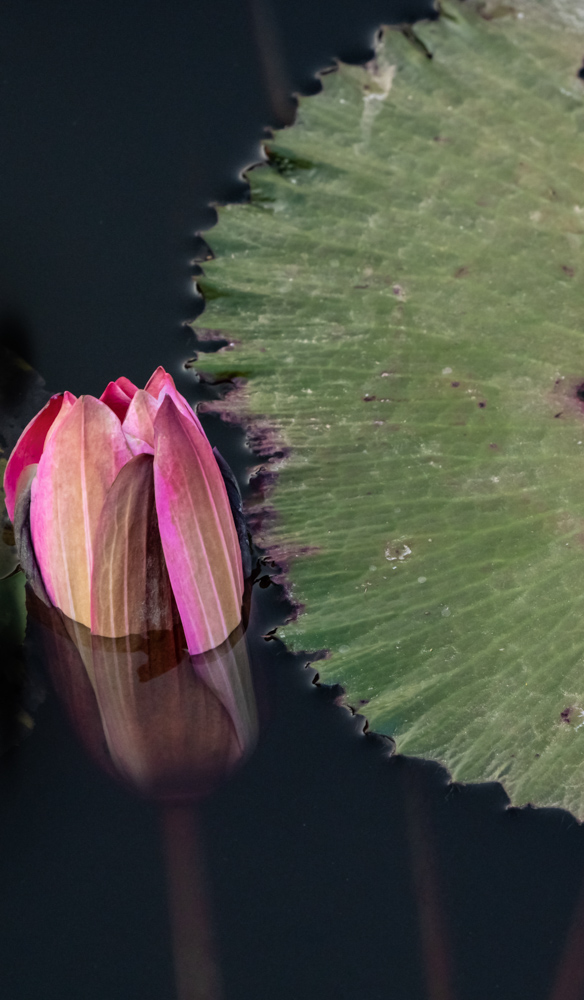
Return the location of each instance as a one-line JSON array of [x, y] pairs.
[[196, 969]]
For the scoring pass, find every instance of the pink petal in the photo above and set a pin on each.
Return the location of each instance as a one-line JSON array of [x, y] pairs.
[[197, 531], [77, 468], [69, 401], [117, 395], [117, 400], [161, 384], [138, 425], [127, 386], [156, 381], [29, 447], [130, 588]]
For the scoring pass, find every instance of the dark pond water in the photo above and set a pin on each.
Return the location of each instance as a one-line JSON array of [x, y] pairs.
[[336, 870]]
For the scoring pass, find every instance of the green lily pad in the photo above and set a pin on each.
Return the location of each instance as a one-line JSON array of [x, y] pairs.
[[405, 295]]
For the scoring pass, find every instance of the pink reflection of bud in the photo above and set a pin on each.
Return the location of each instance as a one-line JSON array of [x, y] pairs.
[[122, 514], [173, 727], [170, 725]]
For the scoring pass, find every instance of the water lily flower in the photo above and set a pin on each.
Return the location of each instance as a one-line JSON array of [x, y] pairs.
[[122, 517]]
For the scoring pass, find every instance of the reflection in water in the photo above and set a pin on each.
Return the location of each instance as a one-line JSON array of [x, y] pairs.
[[173, 727], [426, 873], [569, 978], [196, 968], [170, 724]]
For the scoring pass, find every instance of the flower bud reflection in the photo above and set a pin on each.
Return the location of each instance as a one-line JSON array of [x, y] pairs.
[[171, 725]]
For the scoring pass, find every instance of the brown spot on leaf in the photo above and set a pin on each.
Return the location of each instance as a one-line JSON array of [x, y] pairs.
[[491, 11], [462, 272], [207, 334], [568, 270], [481, 405], [566, 713], [455, 385]]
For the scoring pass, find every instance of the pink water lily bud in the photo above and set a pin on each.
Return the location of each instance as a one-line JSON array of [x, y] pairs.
[[122, 517]]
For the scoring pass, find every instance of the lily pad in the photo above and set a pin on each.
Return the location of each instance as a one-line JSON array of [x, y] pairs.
[[405, 296]]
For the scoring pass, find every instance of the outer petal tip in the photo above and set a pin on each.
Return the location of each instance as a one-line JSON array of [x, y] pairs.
[[29, 447], [138, 425], [156, 381]]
